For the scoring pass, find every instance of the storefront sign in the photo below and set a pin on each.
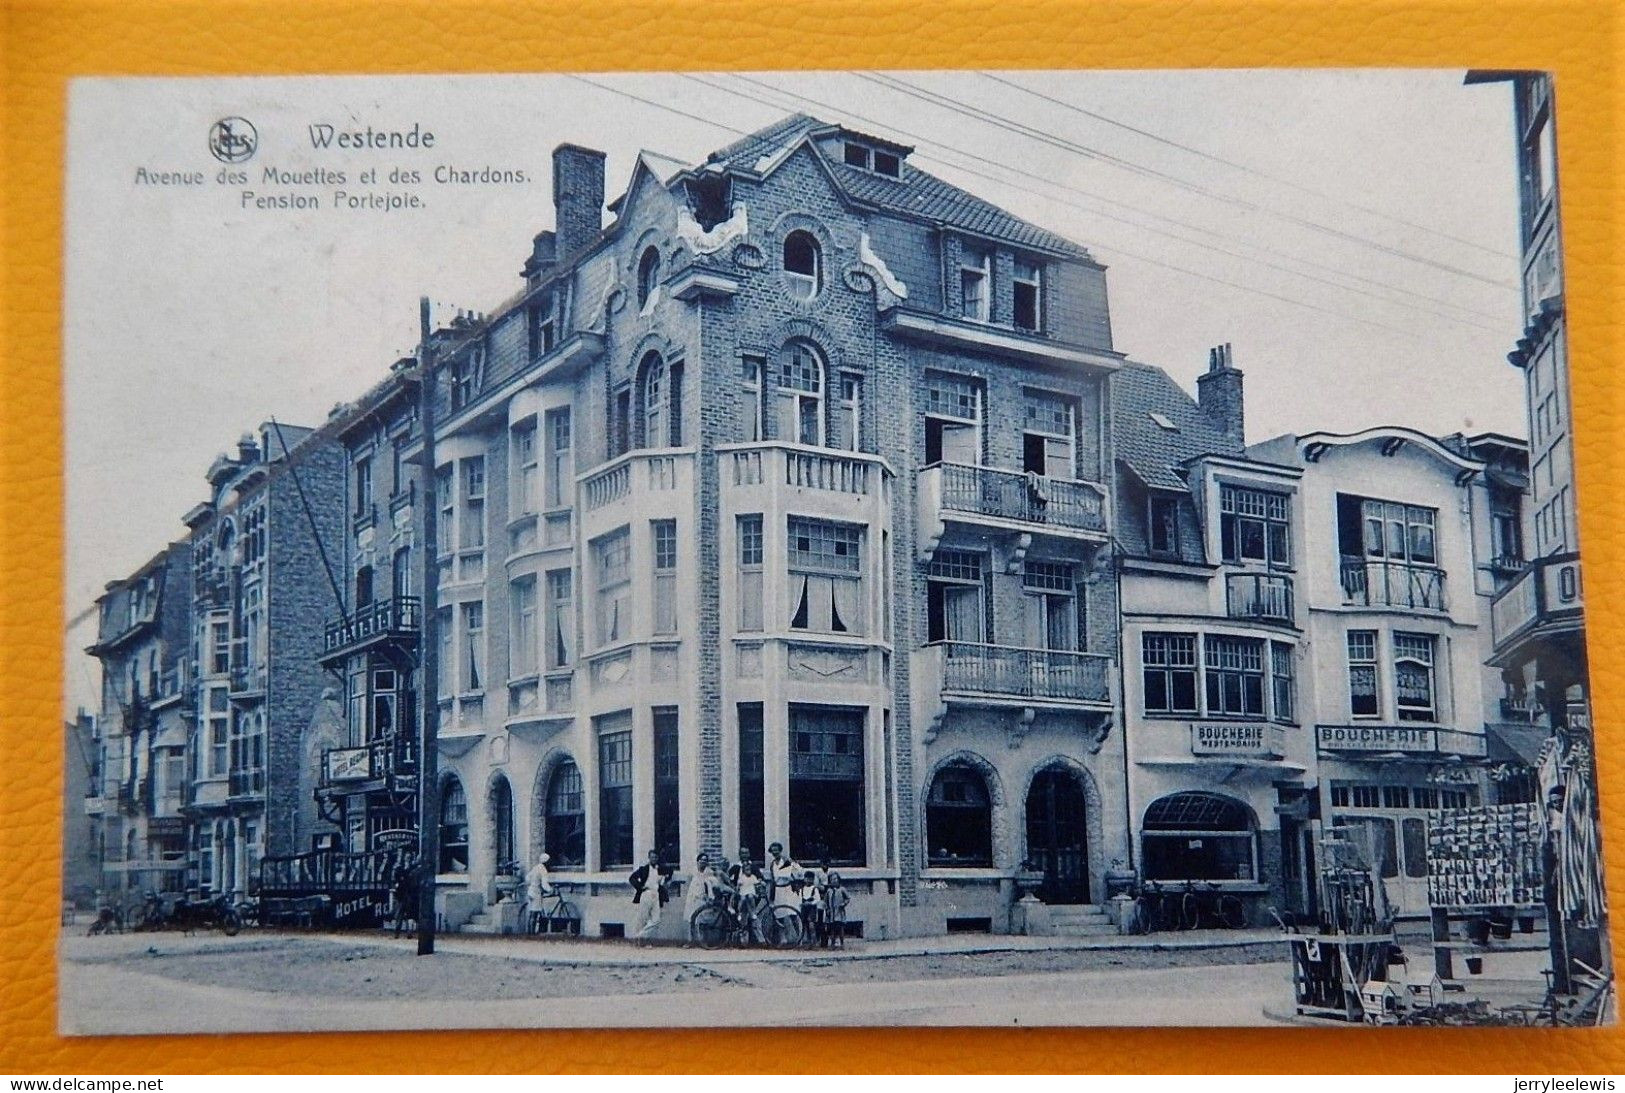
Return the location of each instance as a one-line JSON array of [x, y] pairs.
[[396, 839], [1228, 738], [348, 765], [1400, 738]]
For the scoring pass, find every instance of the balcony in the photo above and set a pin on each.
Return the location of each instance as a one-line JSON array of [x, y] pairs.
[[652, 480], [398, 619], [1546, 601], [1009, 500], [247, 680], [370, 766], [1259, 597], [1383, 742], [1027, 676], [1376, 583]]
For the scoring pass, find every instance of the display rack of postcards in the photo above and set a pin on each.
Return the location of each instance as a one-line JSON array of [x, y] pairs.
[[1483, 861]]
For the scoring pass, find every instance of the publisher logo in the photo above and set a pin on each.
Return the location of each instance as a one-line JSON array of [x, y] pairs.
[[233, 140]]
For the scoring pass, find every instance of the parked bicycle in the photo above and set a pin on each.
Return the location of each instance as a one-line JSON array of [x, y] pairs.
[[109, 920], [1165, 906], [720, 923], [554, 915]]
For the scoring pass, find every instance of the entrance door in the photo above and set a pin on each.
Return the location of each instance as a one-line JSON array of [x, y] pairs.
[[1057, 839]]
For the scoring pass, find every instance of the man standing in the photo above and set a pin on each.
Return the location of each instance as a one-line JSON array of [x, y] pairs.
[[648, 895], [704, 888], [785, 877]]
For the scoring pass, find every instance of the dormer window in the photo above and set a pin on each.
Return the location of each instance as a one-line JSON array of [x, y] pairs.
[[865, 158], [888, 164], [857, 155], [803, 264], [1027, 290], [975, 278]]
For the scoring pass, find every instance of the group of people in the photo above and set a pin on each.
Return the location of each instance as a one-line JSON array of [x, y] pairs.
[[817, 895], [752, 892]]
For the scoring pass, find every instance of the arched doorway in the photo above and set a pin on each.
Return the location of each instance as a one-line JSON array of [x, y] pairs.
[[1058, 835]]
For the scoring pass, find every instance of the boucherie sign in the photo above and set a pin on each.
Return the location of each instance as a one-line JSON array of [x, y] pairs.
[[1224, 738]]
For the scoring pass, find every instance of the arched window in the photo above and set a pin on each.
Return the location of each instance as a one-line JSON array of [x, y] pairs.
[[1199, 836], [803, 264], [800, 395], [566, 825], [662, 401], [453, 828], [502, 844], [959, 818], [648, 275]]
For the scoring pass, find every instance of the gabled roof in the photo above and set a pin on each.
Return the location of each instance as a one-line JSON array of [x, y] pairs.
[[916, 193], [1154, 453]]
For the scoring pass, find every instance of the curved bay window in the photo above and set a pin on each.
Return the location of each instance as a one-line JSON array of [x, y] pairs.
[[1199, 836], [453, 827], [502, 846], [959, 818], [803, 264], [565, 826]]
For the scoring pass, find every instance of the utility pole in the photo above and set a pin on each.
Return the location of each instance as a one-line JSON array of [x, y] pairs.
[[428, 645]]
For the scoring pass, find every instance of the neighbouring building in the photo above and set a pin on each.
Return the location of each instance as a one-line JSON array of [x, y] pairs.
[[261, 591], [143, 644], [81, 830], [1539, 617], [776, 511]]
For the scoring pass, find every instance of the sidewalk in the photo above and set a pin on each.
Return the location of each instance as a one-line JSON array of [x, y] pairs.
[[618, 952]]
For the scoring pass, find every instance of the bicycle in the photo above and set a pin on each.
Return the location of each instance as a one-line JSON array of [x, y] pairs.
[[559, 914], [720, 922], [1207, 900]]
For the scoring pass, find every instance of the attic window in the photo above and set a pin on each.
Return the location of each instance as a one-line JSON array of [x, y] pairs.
[[888, 164], [862, 156], [857, 155], [1163, 421]]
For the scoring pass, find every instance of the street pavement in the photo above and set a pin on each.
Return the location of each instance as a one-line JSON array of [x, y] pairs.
[[166, 983]]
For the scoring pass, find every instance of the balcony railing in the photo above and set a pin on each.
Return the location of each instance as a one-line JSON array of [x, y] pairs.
[[1023, 498], [1264, 596], [1376, 583], [1025, 673], [397, 616], [831, 470], [374, 761], [1548, 588]]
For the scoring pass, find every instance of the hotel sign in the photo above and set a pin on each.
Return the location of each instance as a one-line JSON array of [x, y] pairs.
[[1234, 738], [349, 764]]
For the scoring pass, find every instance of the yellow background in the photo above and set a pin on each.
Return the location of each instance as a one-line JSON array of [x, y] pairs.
[[44, 44]]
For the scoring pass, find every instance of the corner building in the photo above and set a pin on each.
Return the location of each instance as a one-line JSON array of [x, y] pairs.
[[777, 510]]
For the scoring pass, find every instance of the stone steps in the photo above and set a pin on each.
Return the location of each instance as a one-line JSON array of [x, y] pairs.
[[1080, 920], [481, 923]]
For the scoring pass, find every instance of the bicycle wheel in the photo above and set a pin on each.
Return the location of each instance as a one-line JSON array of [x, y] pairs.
[[786, 932], [230, 923], [1189, 911], [711, 927], [1232, 913], [564, 919]]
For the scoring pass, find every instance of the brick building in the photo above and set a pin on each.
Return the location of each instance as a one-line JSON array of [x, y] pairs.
[[260, 593], [776, 510]]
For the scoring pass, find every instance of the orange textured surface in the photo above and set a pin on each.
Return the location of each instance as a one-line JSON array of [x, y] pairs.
[[44, 44]]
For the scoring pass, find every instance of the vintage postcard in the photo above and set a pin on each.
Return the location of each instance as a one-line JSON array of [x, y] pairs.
[[849, 548]]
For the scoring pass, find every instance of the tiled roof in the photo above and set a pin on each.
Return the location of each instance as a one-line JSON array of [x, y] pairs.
[[916, 193], [1153, 452]]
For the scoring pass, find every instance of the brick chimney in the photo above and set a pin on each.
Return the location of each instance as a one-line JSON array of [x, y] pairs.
[[578, 196], [1219, 394], [544, 255]]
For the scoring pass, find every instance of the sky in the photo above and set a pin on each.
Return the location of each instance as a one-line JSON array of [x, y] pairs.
[[1351, 233]]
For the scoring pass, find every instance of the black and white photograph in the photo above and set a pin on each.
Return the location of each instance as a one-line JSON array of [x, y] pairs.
[[855, 548]]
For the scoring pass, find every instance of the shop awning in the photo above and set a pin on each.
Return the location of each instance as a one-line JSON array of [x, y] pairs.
[[1510, 742]]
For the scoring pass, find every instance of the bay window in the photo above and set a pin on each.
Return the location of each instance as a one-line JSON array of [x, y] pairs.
[[560, 463], [1254, 526], [1235, 676], [560, 618], [1169, 666], [612, 571], [522, 633], [1413, 677], [1364, 698], [826, 784], [825, 569], [750, 572], [663, 534], [525, 492]]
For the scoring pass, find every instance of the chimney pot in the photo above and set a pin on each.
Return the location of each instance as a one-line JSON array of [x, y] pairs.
[[1219, 395]]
